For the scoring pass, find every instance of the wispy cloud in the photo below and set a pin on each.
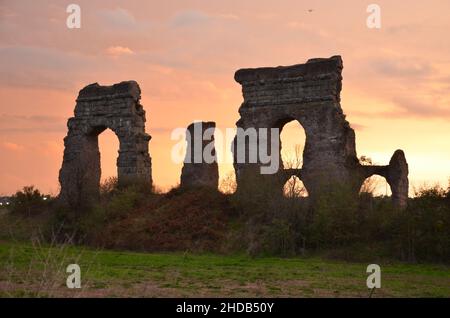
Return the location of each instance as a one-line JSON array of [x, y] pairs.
[[190, 18], [403, 67], [116, 51], [418, 108], [118, 18], [31, 124], [357, 127], [11, 146], [40, 67]]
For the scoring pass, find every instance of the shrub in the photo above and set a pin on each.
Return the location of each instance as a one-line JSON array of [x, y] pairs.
[[29, 201], [426, 226], [259, 220], [279, 238]]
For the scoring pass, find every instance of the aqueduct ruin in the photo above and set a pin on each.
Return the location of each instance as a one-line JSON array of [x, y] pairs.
[[273, 96], [98, 108], [310, 94]]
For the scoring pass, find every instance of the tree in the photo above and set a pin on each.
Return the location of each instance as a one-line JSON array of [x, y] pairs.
[[28, 201]]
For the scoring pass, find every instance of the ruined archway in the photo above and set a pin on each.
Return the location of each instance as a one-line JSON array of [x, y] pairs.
[[310, 94], [376, 186], [396, 175], [98, 107]]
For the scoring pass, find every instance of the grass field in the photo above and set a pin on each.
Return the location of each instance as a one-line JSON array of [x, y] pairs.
[[31, 270]]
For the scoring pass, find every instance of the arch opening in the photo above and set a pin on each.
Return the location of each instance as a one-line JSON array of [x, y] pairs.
[[376, 186], [108, 146], [292, 143], [294, 188]]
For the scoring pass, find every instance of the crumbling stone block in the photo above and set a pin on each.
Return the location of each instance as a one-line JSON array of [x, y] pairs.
[[198, 169]]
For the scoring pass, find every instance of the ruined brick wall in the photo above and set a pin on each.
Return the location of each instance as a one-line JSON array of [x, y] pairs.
[[116, 107], [310, 94]]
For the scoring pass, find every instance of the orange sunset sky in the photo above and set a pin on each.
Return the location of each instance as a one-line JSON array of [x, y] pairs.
[[183, 54]]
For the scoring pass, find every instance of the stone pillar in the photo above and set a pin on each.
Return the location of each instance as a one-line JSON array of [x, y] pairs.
[[200, 167], [397, 177]]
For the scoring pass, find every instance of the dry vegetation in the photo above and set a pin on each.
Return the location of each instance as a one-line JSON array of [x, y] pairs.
[[264, 223], [238, 227]]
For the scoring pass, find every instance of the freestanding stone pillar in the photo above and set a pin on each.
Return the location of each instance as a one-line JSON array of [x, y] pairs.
[[98, 108], [200, 165]]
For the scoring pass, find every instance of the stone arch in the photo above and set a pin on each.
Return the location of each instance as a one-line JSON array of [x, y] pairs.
[[396, 175], [98, 108], [373, 185], [310, 94]]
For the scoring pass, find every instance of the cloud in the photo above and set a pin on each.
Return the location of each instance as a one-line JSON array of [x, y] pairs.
[[414, 107], [31, 124], [407, 107], [190, 18], [116, 51], [229, 16], [357, 127], [40, 67], [160, 130], [401, 67], [402, 29], [307, 28], [118, 18], [11, 146]]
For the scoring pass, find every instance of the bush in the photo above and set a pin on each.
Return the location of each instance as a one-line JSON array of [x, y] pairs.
[[426, 226], [258, 220], [279, 238], [118, 205], [368, 225], [29, 201], [335, 219]]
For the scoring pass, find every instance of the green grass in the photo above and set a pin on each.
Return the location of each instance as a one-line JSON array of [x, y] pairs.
[[30, 270]]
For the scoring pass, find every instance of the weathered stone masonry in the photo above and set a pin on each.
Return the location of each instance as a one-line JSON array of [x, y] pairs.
[[273, 96], [310, 94], [198, 172], [98, 108]]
